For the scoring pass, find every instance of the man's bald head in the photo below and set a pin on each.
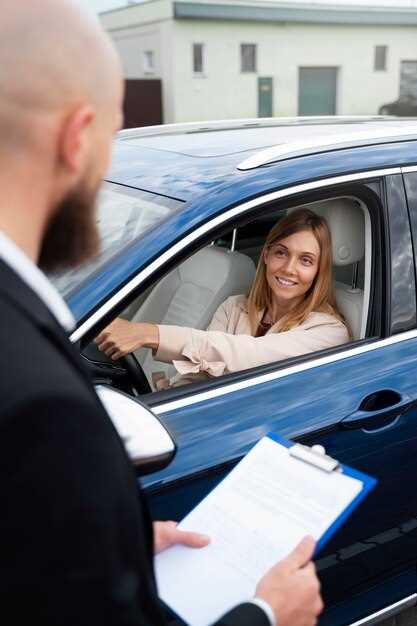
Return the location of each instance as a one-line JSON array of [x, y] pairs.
[[60, 104], [54, 56]]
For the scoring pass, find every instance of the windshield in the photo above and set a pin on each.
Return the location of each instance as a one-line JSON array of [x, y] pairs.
[[123, 215]]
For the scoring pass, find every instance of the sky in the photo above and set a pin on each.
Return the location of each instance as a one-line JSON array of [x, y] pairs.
[[104, 5]]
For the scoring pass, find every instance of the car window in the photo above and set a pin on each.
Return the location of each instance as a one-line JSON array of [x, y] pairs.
[[123, 215], [190, 294]]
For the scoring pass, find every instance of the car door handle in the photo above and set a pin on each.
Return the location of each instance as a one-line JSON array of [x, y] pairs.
[[378, 409]]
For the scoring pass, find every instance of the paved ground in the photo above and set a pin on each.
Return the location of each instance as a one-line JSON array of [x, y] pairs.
[[407, 618]]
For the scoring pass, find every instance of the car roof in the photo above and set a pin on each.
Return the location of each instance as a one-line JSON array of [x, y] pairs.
[[183, 160]]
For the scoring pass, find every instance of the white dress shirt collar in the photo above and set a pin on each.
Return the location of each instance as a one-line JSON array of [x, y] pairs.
[[36, 280]]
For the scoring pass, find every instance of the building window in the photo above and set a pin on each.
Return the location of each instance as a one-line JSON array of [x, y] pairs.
[[380, 62], [248, 57], [149, 61], [198, 58]]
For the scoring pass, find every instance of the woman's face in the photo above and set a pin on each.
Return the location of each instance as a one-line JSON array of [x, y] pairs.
[[291, 266]]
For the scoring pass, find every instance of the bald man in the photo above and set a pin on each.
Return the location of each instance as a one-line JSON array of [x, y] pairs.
[[76, 542]]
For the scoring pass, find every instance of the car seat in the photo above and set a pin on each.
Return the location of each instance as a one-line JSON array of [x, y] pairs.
[[191, 293], [345, 218]]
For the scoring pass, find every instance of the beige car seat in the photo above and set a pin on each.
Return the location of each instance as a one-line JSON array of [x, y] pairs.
[[191, 293], [346, 221]]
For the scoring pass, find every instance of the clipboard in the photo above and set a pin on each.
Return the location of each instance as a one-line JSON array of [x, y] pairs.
[[279, 492], [308, 455]]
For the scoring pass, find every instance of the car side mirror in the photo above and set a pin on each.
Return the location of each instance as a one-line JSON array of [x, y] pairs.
[[147, 441]]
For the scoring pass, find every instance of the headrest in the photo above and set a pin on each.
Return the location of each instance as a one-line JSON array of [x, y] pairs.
[[347, 226]]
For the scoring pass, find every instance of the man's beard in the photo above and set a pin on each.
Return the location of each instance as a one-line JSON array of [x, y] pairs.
[[71, 235]]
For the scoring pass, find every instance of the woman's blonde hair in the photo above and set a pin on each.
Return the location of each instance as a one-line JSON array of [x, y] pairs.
[[320, 297]]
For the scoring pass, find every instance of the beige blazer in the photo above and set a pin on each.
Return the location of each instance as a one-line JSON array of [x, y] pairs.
[[227, 345]]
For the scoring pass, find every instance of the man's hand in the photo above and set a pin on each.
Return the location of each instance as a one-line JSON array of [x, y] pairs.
[[291, 588], [122, 337], [167, 534]]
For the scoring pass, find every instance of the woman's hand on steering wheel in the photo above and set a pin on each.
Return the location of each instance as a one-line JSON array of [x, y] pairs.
[[122, 337]]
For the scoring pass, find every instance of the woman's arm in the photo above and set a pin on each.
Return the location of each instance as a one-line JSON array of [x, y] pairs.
[[122, 337], [217, 353]]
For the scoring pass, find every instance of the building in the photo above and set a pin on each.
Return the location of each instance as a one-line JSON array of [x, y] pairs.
[[223, 59]]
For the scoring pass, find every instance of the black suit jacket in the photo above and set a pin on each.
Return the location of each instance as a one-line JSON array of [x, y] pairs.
[[75, 534]]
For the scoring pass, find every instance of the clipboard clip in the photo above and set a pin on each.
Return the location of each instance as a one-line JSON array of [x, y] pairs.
[[316, 456]]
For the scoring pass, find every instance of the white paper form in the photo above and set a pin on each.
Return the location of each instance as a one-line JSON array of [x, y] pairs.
[[254, 518]]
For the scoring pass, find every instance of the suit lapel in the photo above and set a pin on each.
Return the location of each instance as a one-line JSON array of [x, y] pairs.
[[15, 290]]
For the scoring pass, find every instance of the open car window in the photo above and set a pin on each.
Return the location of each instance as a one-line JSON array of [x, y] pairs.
[[190, 294]]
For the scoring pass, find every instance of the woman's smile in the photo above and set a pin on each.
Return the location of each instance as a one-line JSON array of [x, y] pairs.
[[285, 282]]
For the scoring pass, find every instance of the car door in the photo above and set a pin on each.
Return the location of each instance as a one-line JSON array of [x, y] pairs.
[[359, 402]]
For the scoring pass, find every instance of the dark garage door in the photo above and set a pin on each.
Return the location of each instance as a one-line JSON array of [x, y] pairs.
[[143, 103], [317, 90]]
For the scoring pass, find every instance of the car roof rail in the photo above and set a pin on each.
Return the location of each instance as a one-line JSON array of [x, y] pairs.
[[257, 122], [326, 143]]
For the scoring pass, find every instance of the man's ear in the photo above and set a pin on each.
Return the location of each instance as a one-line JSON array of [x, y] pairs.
[[75, 137]]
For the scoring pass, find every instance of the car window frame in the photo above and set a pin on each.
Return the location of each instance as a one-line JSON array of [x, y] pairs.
[[263, 373], [159, 400]]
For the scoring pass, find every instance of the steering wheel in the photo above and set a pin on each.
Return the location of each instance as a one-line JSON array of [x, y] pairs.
[[136, 374]]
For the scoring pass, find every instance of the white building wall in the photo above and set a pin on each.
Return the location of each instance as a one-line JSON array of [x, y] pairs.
[[223, 92], [131, 44]]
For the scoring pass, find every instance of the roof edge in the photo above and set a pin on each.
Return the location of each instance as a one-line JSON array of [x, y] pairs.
[[324, 14]]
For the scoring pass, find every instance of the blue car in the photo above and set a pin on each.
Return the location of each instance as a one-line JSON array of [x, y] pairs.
[[183, 215]]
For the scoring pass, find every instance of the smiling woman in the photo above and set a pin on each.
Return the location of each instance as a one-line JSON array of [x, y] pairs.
[[290, 267], [290, 310], [294, 275]]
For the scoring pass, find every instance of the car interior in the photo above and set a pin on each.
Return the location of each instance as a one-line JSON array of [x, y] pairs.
[[190, 293]]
